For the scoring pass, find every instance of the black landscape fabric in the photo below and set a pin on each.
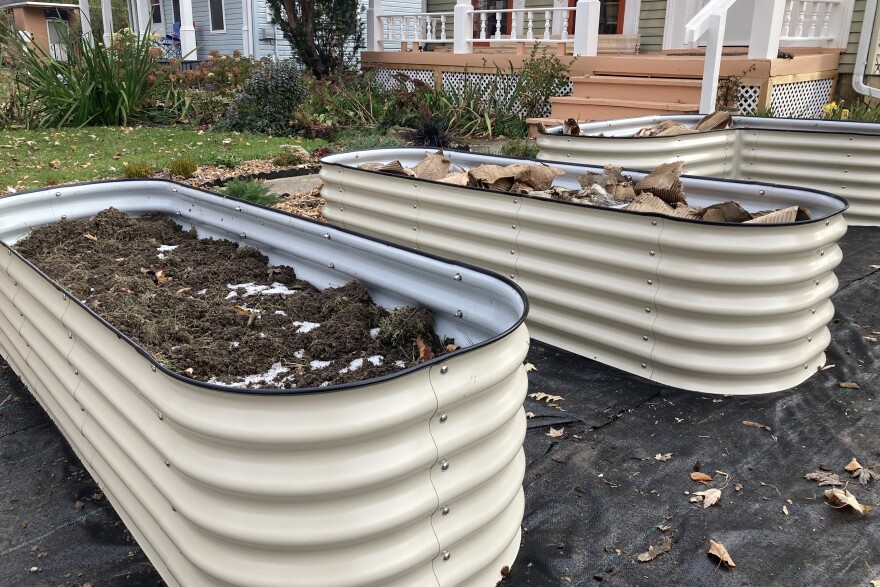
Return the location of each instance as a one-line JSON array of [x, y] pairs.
[[597, 495]]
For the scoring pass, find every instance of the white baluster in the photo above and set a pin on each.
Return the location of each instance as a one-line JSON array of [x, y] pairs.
[[442, 27], [786, 20], [565, 25], [530, 16], [498, 26], [802, 12], [513, 31], [814, 20], [548, 24], [826, 20], [482, 25]]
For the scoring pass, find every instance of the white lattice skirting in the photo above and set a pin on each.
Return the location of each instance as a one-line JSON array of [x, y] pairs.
[[387, 79], [800, 99], [748, 99]]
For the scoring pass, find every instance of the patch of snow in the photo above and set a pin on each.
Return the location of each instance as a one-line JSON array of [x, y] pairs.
[[399, 364], [280, 313], [353, 366], [231, 295], [235, 344], [319, 364], [303, 327], [251, 380], [300, 353], [202, 292], [163, 248], [251, 289], [374, 332], [376, 359]]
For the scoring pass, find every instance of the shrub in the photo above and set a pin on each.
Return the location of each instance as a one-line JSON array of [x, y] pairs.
[[184, 167], [520, 148], [109, 85], [541, 77], [137, 170], [432, 133], [858, 111], [359, 140], [268, 101], [252, 191], [291, 155], [227, 160]]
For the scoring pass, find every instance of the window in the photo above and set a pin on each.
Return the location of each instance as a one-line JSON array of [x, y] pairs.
[[156, 9], [218, 21], [175, 10]]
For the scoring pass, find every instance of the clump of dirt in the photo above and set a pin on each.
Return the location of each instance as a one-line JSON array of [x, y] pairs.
[[214, 311]]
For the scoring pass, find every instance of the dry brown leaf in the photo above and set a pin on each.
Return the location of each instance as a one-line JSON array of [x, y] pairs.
[[55, 164], [90, 236], [540, 395], [243, 310], [875, 583], [709, 497], [853, 466], [652, 553], [717, 549], [425, 352], [871, 339], [865, 476], [737, 487], [785, 510], [530, 367], [663, 457], [824, 478], [700, 477], [839, 498], [452, 347], [663, 528], [556, 432], [756, 425], [530, 415], [848, 385], [183, 290]]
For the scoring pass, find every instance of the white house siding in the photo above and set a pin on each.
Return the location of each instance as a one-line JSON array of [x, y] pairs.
[[206, 40], [280, 48], [652, 19]]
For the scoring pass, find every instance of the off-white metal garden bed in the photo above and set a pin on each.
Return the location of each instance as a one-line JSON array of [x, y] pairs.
[[839, 157], [411, 479], [704, 306]]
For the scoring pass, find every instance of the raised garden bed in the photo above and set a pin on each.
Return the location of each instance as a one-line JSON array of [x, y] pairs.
[[707, 306], [839, 157], [412, 478]]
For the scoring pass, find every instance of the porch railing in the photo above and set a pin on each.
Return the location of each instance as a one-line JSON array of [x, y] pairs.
[[814, 23], [465, 26]]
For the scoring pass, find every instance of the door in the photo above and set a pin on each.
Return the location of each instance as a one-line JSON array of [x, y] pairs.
[[610, 17], [57, 30]]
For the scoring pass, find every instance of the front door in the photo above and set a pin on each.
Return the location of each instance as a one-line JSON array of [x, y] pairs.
[[57, 29], [610, 17]]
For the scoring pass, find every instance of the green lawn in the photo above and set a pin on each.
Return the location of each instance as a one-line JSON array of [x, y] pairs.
[[35, 158]]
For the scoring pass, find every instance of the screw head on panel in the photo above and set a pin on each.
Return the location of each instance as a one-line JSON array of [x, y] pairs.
[[444, 369], [644, 366], [415, 228], [443, 418], [644, 338], [648, 310], [654, 222], [327, 235], [238, 208], [447, 555], [459, 313], [457, 277], [761, 192], [444, 465], [331, 266], [153, 367], [64, 217], [445, 510], [516, 201], [57, 194], [652, 253]]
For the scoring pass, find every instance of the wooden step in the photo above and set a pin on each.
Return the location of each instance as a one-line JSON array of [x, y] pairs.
[[586, 109], [653, 89]]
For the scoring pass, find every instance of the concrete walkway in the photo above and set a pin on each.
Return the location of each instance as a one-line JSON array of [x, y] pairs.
[[291, 185]]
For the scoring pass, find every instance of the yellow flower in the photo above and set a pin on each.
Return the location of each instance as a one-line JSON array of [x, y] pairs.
[[844, 114]]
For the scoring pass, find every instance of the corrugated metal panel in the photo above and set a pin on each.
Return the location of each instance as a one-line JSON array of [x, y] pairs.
[[363, 485], [842, 156], [708, 307]]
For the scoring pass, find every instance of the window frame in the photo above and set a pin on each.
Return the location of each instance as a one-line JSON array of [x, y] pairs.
[[211, 16], [156, 10]]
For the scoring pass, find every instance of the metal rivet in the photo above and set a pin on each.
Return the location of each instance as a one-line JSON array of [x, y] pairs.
[[761, 192], [806, 366], [648, 310], [326, 235], [644, 366], [512, 276], [444, 465], [650, 282], [331, 266], [64, 217], [153, 367], [846, 170], [812, 310], [513, 226], [342, 209], [238, 208], [827, 222], [809, 339], [415, 205], [849, 154], [173, 509], [512, 252], [69, 335], [459, 313], [516, 201], [654, 222], [161, 417], [444, 369], [415, 227], [457, 277], [817, 282], [243, 235], [644, 338], [821, 253], [167, 464], [76, 371], [58, 194], [447, 555], [445, 510], [443, 418], [652, 253]]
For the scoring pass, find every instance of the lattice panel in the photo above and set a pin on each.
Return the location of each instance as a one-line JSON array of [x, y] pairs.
[[489, 82], [748, 99], [801, 99], [388, 79]]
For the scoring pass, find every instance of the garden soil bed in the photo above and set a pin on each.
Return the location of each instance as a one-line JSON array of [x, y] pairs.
[[217, 312]]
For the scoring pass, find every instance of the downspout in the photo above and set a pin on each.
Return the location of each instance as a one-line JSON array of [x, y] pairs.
[[858, 83]]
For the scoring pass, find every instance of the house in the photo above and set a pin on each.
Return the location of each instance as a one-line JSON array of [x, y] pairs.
[[44, 23], [634, 57]]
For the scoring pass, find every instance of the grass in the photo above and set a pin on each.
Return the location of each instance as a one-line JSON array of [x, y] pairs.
[[35, 158]]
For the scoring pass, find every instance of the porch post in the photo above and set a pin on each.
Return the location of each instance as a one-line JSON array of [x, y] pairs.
[[464, 27], [712, 67], [374, 26], [107, 19], [187, 32], [766, 29], [586, 27], [85, 19], [145, 18], [247, 39]]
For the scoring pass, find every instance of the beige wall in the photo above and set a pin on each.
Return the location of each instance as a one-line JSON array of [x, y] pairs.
[[33, 20]]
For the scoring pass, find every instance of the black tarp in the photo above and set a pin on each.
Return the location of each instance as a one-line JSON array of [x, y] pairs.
[[594, 496]]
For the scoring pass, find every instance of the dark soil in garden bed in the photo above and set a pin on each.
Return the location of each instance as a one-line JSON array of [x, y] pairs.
[[214, 311]]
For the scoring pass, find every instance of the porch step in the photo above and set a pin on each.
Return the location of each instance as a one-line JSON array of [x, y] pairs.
[[586, 109], [653, 89]]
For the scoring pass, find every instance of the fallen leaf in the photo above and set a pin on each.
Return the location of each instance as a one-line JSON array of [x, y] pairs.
[[709, 497], [853, 465], [871, 339], [663, 457], [530, 415], [530, 367], [183, 290], [785, 510], [717, 549], [842, 497], [756, 425], [452, 347], [663, 528], [55, 164], [848, 385], [865, 476], [78, 506], [700, 477], [556, 432], [243, 310], [540, 395], [652, 553], [425, 352], [737, 487], [824, 478], [90, 236]]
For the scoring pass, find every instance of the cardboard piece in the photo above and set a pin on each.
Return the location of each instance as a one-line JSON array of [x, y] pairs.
[[783, 216], [663, 182], [715, 121], [726, 212], [646, 202], [434, 166]]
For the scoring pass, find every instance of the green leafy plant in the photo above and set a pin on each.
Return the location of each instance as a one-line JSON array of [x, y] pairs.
[[729, 89], [359, 140], [542, 76], [184, 167], [520, 148], [857, 111], [136, 170], [227, 160], [267, 103], [250, 190], [96, 84]]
